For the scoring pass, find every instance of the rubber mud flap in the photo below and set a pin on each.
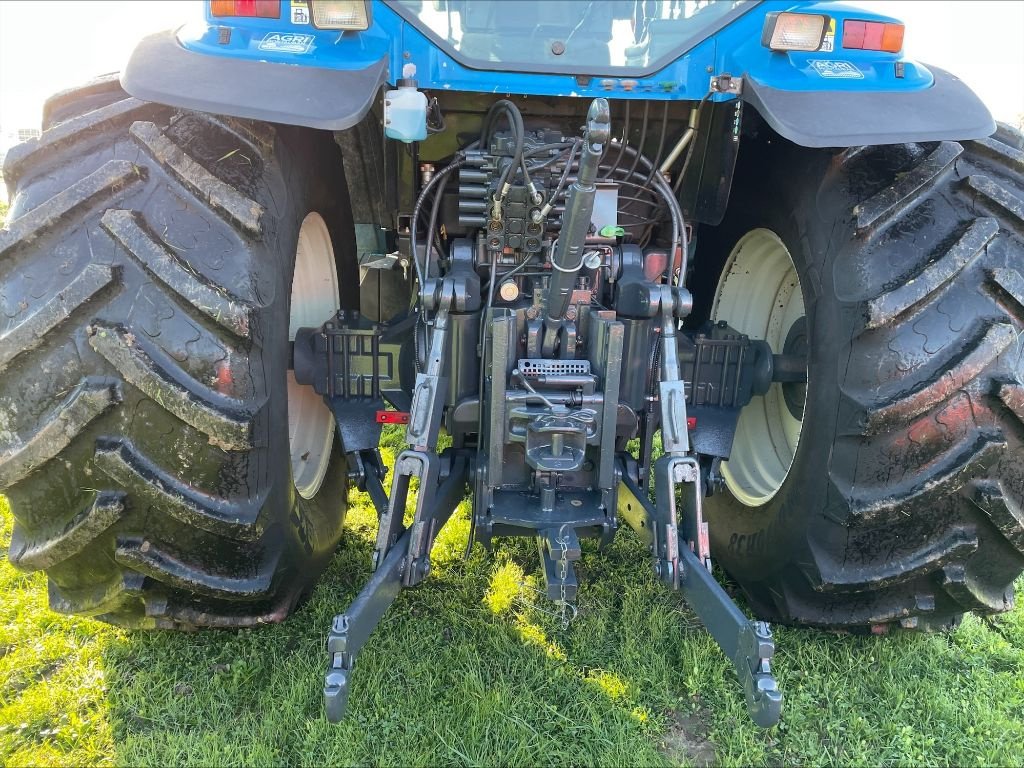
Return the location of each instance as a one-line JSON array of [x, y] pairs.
[[162, 71], [946, 110]]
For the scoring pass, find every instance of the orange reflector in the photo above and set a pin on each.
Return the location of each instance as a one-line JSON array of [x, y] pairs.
[[266, 9], [794, 31], [873, 36]]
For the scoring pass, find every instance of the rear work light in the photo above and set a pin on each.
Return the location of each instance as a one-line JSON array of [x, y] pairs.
[[266, 9], [873, 36], [794, 31], [340, 14]]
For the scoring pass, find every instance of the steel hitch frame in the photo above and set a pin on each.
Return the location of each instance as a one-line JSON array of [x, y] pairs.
[[401, 556], [674, 527], [534, 438], [683, 562], [404, 562]]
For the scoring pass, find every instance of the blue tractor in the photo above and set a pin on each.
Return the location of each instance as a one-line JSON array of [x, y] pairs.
[[738, 275]]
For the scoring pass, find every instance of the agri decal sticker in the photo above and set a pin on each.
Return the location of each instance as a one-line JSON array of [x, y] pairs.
[[286, 42], [843, 70]]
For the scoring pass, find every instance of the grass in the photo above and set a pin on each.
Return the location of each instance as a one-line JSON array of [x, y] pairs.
[[467, 668]]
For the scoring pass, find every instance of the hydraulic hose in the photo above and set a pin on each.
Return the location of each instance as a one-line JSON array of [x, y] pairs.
[[679, 239], [421, 272]]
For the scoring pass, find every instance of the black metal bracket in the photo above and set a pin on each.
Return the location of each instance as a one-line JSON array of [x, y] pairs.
[[366, 471], [352, 362]]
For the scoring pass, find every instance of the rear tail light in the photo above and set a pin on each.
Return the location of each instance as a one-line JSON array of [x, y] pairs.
[[266, 9], [794, 31], [340, 14], [873, 36]]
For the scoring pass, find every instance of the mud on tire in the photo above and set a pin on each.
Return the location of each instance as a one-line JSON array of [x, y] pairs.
[[903, 505], [145, 275]]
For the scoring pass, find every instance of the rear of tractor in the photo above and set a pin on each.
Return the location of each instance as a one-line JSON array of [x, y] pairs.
[[553, 231]]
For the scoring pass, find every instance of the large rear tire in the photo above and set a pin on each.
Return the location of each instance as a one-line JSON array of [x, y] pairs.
[[902, 502], [145, 277]]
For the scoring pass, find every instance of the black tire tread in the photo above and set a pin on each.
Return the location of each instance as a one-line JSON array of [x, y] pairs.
[[957, 542], [50, 548], [225, 420], [951, 560], [121, 462], [900, 405], [880, 210], [119, 114], [160, 261], [921, 507], [129, 488], [893, 305], [150, 560], [998, 195], [33, 329], [223, 198], [63, 424], [112, 177], [81, 99]]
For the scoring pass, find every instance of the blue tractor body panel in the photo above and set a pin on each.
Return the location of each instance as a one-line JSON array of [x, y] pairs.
[[735, 48], [280, 70]]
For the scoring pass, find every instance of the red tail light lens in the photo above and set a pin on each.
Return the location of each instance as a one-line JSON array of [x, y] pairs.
[[265, 9], [873, 36]]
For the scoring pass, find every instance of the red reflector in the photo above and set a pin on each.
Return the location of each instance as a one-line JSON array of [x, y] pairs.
[[691, 422], [853, 34], [392, 417], [873, 36], [266, 9]]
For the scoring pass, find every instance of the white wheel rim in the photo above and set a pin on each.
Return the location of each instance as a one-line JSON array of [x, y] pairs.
[[315, 298], [759, 295]]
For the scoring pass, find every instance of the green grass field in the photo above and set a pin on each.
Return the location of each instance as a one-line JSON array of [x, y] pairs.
[[468, 669]]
